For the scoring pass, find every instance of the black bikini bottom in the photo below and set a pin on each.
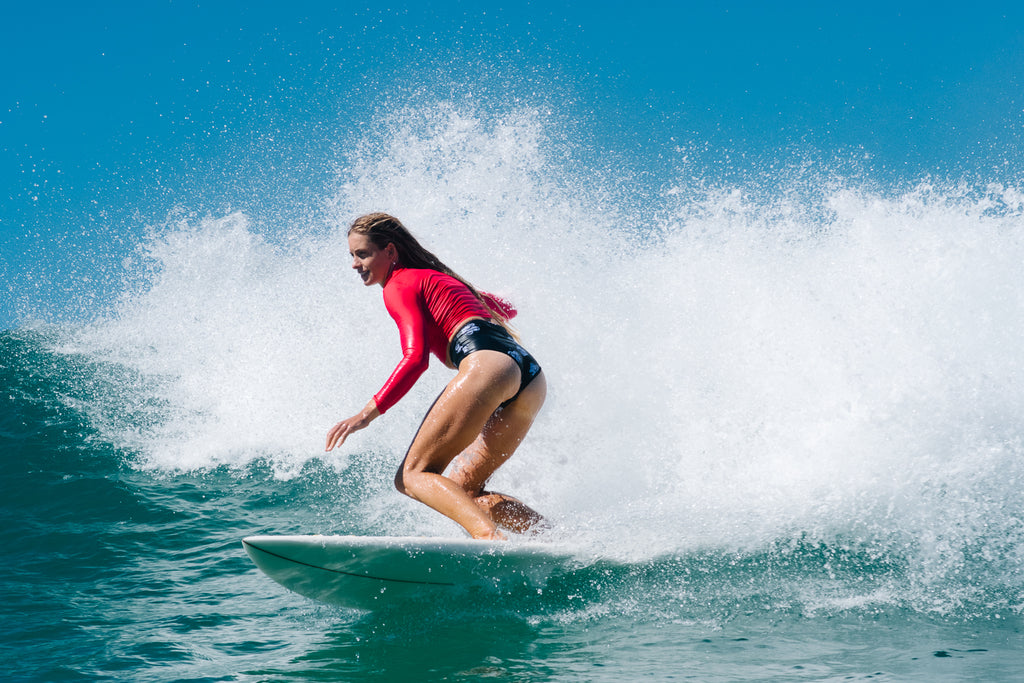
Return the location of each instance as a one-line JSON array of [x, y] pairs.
[[484, 335]]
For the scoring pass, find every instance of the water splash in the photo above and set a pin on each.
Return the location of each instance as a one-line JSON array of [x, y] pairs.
[[728, 367]]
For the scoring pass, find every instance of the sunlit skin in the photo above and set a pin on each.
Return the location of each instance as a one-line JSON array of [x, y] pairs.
[[371, 263], [464, 428]]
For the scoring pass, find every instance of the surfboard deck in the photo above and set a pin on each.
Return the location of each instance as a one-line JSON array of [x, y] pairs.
[[369, 572]]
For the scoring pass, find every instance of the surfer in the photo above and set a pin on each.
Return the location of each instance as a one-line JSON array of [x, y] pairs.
[[484, 413]]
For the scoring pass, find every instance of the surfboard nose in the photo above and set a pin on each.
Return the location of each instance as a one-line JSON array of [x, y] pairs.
[[361, 571]]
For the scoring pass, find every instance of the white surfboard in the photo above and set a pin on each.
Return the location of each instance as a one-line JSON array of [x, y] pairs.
[[368, 572]]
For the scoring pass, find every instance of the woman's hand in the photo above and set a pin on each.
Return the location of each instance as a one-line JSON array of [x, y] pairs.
[[339, 432]]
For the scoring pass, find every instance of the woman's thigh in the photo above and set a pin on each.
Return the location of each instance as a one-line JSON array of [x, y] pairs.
[[460, 413], [499, 438]]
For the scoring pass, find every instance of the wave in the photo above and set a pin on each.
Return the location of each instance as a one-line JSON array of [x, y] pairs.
[[810, 361]]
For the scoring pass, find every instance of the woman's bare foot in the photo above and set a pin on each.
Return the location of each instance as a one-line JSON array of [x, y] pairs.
[[496, 535]]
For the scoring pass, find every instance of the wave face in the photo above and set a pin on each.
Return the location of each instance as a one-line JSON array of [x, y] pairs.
[[806, 363], [793, 403]]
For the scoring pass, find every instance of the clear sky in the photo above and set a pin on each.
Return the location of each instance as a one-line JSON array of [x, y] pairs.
[[113, 113]]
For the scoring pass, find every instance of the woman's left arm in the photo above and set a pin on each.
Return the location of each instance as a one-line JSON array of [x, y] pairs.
[[339, 432], [403, 303]]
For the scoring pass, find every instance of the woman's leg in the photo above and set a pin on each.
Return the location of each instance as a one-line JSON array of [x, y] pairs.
[[460, 414], [498, 440]]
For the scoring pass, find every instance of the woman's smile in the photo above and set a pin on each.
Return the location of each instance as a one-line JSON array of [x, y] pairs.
[[371, 262]]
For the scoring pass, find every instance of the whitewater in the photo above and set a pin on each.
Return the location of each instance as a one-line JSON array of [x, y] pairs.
[[789, 412]]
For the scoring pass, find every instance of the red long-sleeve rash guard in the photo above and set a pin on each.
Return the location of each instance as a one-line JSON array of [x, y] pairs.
[[428, 307]]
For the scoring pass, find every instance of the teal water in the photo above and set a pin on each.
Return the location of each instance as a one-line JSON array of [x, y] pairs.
[[118, 571]]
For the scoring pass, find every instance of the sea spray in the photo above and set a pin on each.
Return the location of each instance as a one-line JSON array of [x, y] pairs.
[[757, 372]]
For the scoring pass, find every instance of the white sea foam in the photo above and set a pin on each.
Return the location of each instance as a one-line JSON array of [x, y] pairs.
[[724, 367]]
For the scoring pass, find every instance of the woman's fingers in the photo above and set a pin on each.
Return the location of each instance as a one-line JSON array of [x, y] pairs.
[[337, 435], [339, 432]]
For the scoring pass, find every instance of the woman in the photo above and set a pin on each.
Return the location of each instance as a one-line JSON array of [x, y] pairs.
[[483, 414]]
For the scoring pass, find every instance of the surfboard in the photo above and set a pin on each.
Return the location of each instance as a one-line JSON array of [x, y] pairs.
[[369, 572]]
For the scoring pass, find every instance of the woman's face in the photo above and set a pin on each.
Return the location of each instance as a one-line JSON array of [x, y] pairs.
[[371, 262]]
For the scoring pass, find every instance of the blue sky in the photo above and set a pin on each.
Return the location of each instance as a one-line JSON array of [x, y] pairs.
[[112, 114]]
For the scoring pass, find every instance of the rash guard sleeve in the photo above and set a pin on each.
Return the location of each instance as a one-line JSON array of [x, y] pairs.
[[407, 310]]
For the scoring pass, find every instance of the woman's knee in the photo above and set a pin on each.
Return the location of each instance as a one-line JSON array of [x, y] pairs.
[[408, 470]]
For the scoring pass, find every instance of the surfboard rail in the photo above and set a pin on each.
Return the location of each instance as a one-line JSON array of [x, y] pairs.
[[368, 571]]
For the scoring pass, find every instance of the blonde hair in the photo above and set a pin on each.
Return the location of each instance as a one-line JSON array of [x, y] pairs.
[[383, 229]]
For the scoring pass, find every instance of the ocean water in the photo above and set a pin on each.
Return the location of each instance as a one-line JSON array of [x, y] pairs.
[[785, 413]]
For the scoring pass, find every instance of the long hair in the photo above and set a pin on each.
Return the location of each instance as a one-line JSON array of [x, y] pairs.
[[383, 229]]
